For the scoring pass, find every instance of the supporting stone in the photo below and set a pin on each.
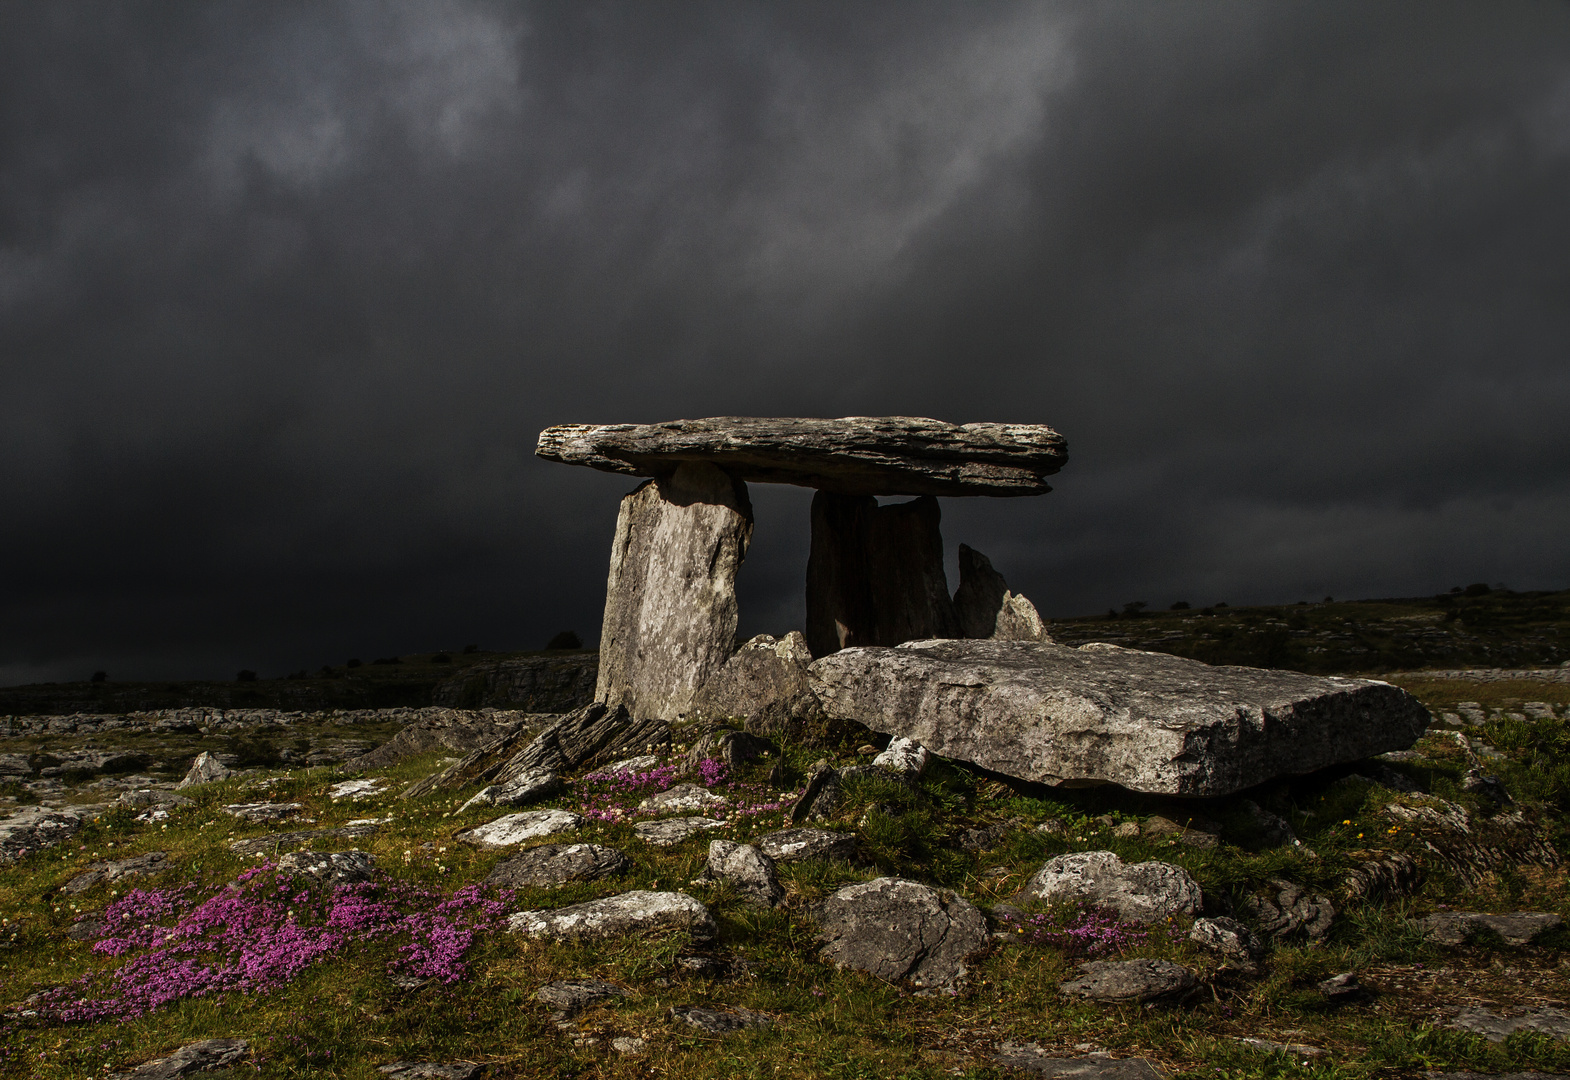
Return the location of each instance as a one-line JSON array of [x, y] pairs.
[[670, 601], [875, 573]]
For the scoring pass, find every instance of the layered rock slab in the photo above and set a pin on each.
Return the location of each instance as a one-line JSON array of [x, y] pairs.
[[853, 455], [636, 912], [898, 930], [1104, 714]]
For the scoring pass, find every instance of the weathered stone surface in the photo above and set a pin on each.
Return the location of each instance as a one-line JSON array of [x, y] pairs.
[[448, 729], [1496, 1027], [206, 769], [100, 873], [1104, 714], [896, 930], [670, 599], [722, 1021], [558, 864], [764, 683], [733, 749], [672, 831], [516, 828], [206, 1056], [1029, 1057], [1130, 980], [1341, 988], [555, 683], [432, 1070], [569, 996], [822, 795], [34, 827], [153, 797], [1392, 874], [264, 811], [1291, 1049], [1519, 928], [986, 837], [747, 868], [1234, 941], [794, 845], [1157, 827], [856, 455], [528, 786], [634, 912], [681, 799], [1139, 892], [986, 609], [1287, 909], [355, 789], [904, 756], [1471, 847], [875, 574], [276, 842], [16, 766], [329, 868]]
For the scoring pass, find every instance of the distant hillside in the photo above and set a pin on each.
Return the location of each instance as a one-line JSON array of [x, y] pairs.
[[1497, 628]]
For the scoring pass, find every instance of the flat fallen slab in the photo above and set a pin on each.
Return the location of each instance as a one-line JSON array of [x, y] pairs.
[[1101, 714], [854, 455]]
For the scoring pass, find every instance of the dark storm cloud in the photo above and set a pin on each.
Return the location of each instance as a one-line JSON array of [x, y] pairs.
[[287, 290]]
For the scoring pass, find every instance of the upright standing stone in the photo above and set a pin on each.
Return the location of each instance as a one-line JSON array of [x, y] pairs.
[[984, 606], [670, 602], [875, 573]]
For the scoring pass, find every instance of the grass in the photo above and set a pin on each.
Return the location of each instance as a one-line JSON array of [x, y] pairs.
[[343, 1017]]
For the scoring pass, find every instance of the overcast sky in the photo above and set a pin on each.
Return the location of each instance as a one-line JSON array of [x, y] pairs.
[[287, 291]]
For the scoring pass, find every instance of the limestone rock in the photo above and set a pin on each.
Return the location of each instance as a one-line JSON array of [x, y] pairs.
[[1496, 1027], [1103, 714], [1144, 892], [558, 864], [432, 1070], [329, 868], [273, 843], [568, 996], [1286, 909], [528, 786], [875, 574], [634, 912], [1157, 827], [764, 683], [672, 831], [355, 789], [1341, 988], [640, 764], [903, 756], [556, 683], [733, 749], [1391, 875], [821, 797], [747, 868], [16, 766], [100, 873], [1234, 941], [264, 811], [721, 1021], [206, 769], [856, 455], [208, 1055], [449, 729], [682, 799], [794, 845], [986, 609], [516, 828], [1031, 1058], [35, 827], [896, 930], [1519, 928], [153, 798], [670, 600], [1130, 981]]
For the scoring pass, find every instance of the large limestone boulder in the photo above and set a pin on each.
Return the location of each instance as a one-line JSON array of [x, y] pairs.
[[1103, 714], [898, 930], [747, 868], [1144, 892], [764, 684], [670, 600], [634, 912], [854, 455], [528, 825]]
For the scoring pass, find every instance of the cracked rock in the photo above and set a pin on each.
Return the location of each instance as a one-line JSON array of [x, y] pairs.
[[568, 996], [1031, 1058], [1520, 928], [34, 827], [1287, 909], [672, 831], [558, 864], [721, 1021], [895, 930], [516, 828], [432, 1070], [199, 1057], [206, 769], [1130, 980], [747, 868], [113, 870], [794, 845], [681, 799], [1139, 892], [1234, 941], [1496, 1027], [329, 868], [634, 912], [528, 786]]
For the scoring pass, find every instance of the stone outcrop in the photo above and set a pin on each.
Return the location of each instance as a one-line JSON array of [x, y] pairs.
[[209, 1055], [205, 770], [673, 831], [553, 683], [854, 455], [103, 872], [1033, 1058], [432, 1070], [875, 573], [273, 843], [794, 845], [264, 811], [531, 785], [1102, 714], [1497, 1026], [516, 828], [569, 996], [329, 868], [449, 729], [898, 930], [904, 757], [1517, 928], [1144, 892], [670, 600], [1287, 908], [745, 867], [764, 683], [722, 1021], [1231, 939], [550, 865], [984, 606], [635, 912], [682, 799], [733, 749], [1130, 981]]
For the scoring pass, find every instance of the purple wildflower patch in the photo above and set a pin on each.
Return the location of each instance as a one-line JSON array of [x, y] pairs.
[[1078, 931], [260, 933], [613, 796]]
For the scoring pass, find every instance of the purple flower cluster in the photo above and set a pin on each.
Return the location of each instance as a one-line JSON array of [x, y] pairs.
[[260, 933], [613, 796], [1082, 931]]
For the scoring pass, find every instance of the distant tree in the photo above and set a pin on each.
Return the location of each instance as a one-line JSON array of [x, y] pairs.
[[567, 639], [245, 676], [1133, 608], [1181, 605], [1223, 603], [100, 676], [1479, 589]]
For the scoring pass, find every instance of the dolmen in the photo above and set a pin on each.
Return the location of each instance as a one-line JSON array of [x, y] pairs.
[[875, 573]]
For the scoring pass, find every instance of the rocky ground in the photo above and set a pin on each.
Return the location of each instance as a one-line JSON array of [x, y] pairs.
[[450, 892]]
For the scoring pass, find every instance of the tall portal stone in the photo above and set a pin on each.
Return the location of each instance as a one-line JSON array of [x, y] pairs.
[[875, 573], [670, 600]]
